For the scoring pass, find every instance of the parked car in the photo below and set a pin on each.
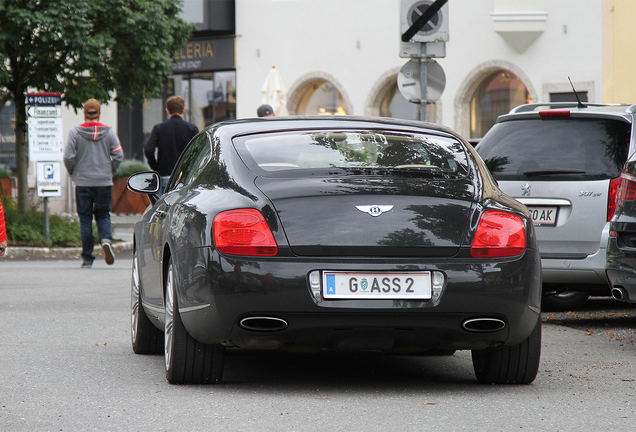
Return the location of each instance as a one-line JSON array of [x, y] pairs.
[[621, 248], [564, 161], [340, 233]]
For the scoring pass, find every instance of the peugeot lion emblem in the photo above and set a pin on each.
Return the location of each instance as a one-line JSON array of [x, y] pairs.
[[375, 210], [525, 189]]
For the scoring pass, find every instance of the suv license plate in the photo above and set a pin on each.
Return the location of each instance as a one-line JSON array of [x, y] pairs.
[[395, 285], [543, 216]]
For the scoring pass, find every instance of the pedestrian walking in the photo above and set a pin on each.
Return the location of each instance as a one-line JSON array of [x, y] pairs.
[[265, 111], [92, 155], [3, 231], [168, 139]]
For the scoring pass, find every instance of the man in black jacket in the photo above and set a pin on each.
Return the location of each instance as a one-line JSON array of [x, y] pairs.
[[169, 139]]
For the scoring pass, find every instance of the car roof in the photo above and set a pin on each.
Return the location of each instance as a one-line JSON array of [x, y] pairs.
[[289, 123], [534, 110]]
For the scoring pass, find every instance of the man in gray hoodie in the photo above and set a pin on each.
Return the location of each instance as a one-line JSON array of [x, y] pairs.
[[91, 156]]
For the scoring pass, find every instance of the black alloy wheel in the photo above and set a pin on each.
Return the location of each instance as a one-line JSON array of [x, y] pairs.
[[146, 338], [516, 364], [187, 361]]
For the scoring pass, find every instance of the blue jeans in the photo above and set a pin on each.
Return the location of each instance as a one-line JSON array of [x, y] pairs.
[[93, 201]]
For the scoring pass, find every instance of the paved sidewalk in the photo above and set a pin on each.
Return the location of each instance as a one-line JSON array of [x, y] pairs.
[[123, 229]]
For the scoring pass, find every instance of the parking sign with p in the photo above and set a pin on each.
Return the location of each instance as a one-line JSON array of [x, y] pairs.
[[49, 181]]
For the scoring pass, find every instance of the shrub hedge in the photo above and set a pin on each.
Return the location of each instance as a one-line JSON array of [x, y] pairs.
[[27, 229]]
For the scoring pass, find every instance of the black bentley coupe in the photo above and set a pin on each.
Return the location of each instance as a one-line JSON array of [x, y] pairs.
[[334, 233]]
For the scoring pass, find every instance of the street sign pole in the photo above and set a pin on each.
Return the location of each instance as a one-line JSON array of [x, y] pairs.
[[423, 105], [45, 147], [423, 23], [46, 220]]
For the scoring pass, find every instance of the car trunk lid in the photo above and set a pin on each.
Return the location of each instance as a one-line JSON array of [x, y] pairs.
[[371, 216]]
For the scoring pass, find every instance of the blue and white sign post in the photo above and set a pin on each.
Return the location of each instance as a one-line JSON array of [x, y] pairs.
[[46, 146]]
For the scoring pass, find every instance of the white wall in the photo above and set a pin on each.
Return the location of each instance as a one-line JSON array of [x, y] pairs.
[[356, 42], [303, 36]]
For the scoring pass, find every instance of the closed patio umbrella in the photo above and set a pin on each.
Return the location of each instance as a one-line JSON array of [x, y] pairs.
[[273, 92]]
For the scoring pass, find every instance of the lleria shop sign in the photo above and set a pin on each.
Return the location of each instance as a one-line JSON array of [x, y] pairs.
[[205, 55]]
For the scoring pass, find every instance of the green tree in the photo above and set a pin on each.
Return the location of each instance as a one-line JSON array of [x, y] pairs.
[[84, 49]]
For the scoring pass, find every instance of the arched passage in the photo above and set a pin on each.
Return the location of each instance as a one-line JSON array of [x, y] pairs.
[[318, 93], [489, 90]]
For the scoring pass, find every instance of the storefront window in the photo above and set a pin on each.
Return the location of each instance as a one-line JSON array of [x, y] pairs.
[[213, 98], [497, 95], [320, 97]]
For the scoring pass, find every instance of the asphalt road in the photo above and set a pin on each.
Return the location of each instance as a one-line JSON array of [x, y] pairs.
[[67, 365]]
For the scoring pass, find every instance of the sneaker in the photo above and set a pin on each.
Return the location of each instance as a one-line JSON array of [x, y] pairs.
[[87, 264], [109, 256]]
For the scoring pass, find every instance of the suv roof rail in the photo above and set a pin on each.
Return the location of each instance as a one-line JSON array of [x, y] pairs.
[[533, 106]]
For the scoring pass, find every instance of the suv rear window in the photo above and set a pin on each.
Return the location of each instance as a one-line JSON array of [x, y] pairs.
[[556, 149]]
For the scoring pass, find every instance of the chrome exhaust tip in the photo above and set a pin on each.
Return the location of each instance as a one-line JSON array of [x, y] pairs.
[[483, 325], [620, 293], [263, 324]]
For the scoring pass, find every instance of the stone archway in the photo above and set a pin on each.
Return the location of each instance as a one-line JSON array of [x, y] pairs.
[[382, 86], [301, 86], [379, 89], [471, 83]]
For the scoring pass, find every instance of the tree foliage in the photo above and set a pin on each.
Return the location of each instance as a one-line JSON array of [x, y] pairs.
[[84, 49], [89, 48]]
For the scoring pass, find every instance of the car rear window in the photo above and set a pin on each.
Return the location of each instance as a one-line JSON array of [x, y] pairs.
[[353, 150], [556, 149]]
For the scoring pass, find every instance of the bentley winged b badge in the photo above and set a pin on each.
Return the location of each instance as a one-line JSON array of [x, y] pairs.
[[375, 210]]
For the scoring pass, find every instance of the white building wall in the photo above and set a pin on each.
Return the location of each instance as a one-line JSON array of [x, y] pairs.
[[356, 43]]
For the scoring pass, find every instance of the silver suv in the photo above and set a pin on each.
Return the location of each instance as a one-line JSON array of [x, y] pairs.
[[563, 161]]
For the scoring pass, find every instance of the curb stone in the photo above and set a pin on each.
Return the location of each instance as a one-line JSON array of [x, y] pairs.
[[32, 252]]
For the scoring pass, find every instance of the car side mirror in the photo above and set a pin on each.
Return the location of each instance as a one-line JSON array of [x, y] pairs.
[[146, 182]]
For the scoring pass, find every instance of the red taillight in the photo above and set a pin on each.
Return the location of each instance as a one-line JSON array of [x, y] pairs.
[[621, 189], [243, 232], [554, 113], [499, 234]]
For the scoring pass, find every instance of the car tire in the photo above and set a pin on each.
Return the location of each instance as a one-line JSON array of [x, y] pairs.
[[187, 361], [516, 364], [564, 301], [146, 338]]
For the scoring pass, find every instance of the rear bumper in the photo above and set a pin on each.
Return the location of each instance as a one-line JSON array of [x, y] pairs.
[[625, 282], [621, 271], [213, 304], [590, 270]]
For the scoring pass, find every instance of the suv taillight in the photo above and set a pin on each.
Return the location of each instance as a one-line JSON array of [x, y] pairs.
[[243, 232], [499, 234], [621, 189]]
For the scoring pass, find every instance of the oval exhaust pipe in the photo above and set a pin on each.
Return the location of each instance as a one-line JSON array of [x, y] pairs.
[[483, 325], [263, 324], [619, 293]]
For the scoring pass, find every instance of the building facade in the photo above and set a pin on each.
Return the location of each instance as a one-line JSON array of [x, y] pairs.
[[342, 57]]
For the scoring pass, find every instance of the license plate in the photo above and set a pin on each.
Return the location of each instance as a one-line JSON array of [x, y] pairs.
[[394, 285], [544, 216]]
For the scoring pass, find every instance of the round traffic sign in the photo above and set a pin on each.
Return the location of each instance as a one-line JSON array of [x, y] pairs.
[[409, 80]]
